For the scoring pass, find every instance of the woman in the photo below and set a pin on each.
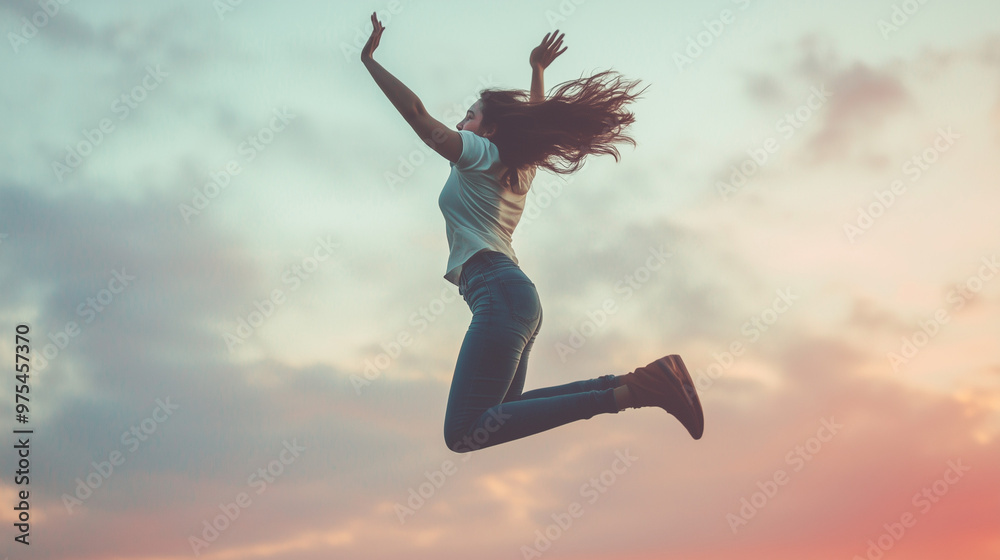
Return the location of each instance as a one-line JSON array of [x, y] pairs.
[[493, 155]]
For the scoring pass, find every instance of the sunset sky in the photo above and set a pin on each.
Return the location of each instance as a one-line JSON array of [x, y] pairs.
[[218, 229]]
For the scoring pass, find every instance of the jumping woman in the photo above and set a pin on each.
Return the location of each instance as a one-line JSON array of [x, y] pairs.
[[494, 153]]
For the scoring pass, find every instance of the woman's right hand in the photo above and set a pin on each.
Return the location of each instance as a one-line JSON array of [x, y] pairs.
[[547, 50], [372, 44]]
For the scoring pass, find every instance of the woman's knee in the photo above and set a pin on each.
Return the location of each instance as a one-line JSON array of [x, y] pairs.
[[463, 439], [457, 443], [454, 436]]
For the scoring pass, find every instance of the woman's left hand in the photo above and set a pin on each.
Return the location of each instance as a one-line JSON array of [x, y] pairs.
[[547, 51], [372, 44]]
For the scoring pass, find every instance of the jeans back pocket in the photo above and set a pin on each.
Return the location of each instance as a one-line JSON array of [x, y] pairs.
[[522, 300]]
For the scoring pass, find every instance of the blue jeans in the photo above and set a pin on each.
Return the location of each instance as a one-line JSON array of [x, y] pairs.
[[486, 405]]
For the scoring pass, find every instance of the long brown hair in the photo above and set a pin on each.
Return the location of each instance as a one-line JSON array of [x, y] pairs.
[[581, 117]]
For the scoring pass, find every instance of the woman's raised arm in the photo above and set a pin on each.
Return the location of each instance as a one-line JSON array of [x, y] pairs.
[[443, 140], [540, 58]]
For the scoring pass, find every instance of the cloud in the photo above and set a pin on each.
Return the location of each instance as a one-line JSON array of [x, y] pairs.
[[765, 89], [863, 99]]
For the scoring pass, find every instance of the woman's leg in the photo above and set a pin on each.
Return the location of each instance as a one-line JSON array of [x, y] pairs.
[[506, 316], [514, 393]]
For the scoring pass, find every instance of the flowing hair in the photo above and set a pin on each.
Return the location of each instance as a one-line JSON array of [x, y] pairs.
[[581, 117]]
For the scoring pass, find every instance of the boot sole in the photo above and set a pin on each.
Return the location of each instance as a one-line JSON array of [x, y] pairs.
[[694, 420]]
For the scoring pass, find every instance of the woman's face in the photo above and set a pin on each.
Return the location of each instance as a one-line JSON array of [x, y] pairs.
[[473, 119]]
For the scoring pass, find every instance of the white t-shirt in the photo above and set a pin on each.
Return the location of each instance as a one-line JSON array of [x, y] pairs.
[[479, 213]]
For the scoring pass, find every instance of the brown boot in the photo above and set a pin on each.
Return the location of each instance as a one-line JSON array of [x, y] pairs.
[[666, 383]]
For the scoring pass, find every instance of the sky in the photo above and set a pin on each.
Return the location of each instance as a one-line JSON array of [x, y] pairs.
[[216, 231]]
